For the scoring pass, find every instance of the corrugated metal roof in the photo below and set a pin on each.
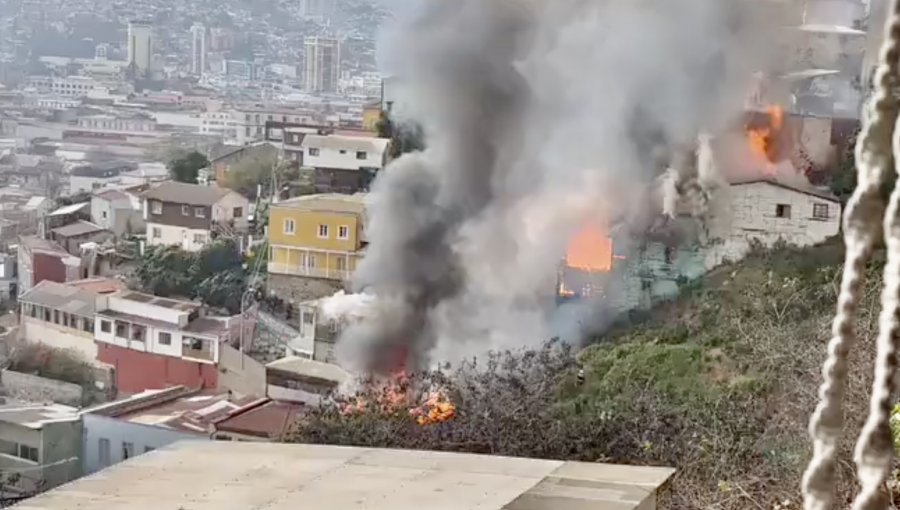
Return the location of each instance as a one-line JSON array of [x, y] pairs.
[[79, 228], [224, 475], [62, 297]]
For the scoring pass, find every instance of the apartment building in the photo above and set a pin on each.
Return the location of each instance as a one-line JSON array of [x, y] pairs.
[[60, 316], [41, 442], [317, 236], [251, 119], [187, 215], [39, 259], [155, 342]]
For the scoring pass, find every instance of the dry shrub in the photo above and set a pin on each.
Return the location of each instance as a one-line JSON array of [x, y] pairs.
[[719, 384]]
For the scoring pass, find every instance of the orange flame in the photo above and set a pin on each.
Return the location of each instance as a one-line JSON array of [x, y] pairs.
[[590, 250], [394, 396], [762, 139], [436, 409]]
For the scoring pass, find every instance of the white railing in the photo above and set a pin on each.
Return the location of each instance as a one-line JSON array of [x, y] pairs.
[[312, 272]]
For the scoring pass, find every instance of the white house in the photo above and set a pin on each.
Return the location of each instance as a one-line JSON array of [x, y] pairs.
[[186, 215], [146, 323], [344, 152], [117, 211], [60, 316], [768, 211]]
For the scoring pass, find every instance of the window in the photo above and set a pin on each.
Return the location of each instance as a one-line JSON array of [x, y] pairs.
[[138, 332], [343, 151], [47, 315], [121, 329], [313, 151], [782, 211], [87, 325], [199, 238], [55, 316], [310, 261], [156, 207], [105, 326], [820, 211], [103, 451], [308, 317], [127, 450], [185, 210], [165, 338], [200, 212], [28, 452], [103, 214], [157, 232], [323, 231], [194, 344], [343, 232], [289, 227], [362, 155], [341, 264], [148, 449], [238, 212]]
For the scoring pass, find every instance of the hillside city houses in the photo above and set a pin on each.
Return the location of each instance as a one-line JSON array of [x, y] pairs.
[[173, 142]]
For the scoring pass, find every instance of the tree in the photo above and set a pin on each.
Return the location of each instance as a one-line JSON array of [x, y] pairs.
[[214, 275], [407, 137], [187, 168], [251, 172]]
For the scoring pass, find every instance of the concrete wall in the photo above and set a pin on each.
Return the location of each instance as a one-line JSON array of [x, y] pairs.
[[186, 238], [116, 432], [246, 379], [60, 337], [61, 443], [753, 214], [223, 210], [40, 389]]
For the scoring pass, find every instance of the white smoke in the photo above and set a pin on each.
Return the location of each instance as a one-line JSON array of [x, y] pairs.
[[540, 117]]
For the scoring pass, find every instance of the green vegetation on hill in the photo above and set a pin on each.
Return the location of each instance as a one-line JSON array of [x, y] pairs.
[[719, 383]]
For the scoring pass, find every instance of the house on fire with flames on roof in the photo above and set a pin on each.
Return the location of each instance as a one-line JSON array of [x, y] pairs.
[[190, 215], [639, 270]]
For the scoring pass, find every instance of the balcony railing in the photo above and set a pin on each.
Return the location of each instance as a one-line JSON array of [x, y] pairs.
[[312, 272]]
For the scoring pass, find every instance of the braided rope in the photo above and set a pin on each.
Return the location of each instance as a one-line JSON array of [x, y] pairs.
[[861, 229], [874, 450]]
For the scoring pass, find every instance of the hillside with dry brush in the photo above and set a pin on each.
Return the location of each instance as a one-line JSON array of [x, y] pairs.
[[718, 383]]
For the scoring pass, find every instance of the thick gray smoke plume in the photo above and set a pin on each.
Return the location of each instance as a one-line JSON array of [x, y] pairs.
[[540, 117]]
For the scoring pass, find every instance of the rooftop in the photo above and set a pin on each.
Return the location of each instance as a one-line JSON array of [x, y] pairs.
[[150, 299], [332, 202], [79, 228], [35, 416], [35, 243], [240, 475], [193, 413], [307, 368], [99, 285], [781, 183], [350, 143], [69, 209], [267, 420], [182, 193], [111, 195], [62, 297]]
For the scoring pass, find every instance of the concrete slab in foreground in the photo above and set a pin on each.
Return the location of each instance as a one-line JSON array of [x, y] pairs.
[[267, 476]]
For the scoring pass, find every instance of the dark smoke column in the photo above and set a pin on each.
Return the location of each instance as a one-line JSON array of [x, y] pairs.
[[456, 62]]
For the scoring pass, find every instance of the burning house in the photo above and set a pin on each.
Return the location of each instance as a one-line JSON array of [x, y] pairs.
[[766, 200]]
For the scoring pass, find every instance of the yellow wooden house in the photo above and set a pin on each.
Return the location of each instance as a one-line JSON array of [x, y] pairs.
[[317, 236]]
